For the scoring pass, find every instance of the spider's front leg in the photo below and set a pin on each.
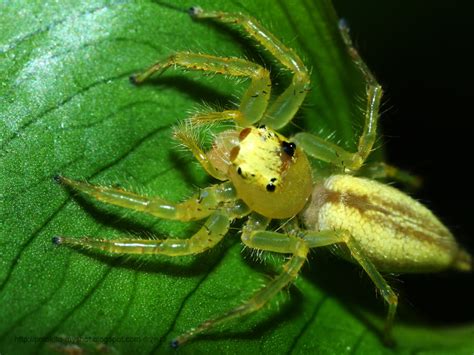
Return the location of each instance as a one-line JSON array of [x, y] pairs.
[[199, 206], [208, 236], [332, 153], [254, 101], [283, 109], [218, 202]]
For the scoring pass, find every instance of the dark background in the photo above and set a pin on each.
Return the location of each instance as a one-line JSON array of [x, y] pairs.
[[422, 54]]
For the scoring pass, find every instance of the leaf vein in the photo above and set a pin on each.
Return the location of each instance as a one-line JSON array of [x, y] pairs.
[[306, 325], [31, 121], [134, 147], [20, 39], [186, 299], [24, 246], [86, 297]]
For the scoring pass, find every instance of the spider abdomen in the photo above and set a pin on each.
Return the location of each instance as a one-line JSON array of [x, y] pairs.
[[397, 233]]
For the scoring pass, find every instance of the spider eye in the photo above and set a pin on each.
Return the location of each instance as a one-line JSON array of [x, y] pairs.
[[271, 187], [288, 148]]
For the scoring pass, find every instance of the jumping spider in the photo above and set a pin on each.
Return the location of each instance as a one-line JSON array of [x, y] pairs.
[[267, 176]]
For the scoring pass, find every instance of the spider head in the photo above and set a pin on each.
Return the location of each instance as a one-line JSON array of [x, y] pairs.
[[270, 173]]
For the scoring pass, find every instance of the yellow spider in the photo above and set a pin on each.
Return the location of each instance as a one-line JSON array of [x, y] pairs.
[[268, 176]]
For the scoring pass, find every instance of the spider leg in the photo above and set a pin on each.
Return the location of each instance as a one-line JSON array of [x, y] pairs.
[[283, 243], [187, 134], [381, 170], [254, 101], [287, 104], [374, 94], [207, 237], [259, 299], [210, 117], [329, 152], [324, 238], [199, 206]]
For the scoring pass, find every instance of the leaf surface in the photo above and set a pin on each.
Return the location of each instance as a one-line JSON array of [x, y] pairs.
[[67, 107]]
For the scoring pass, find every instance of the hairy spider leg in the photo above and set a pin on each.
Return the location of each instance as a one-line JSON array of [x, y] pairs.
[[186, 134], [215, 228], [284, 243], [261, 298], [283, 109], [199, 206], [322, 238], [329, 152], [255, 99], [380, 170], [210, 117]]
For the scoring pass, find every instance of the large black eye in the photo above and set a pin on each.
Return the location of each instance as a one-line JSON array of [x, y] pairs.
[[271, 187], [288, 148]]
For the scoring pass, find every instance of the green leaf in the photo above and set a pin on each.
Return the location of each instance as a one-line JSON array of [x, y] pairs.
[[67, 107]]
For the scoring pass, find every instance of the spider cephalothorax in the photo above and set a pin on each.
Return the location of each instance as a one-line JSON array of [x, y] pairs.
[[267, 176], [264, 168]]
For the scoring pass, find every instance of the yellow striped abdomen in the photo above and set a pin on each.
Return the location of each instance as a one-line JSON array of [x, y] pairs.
[[396, 232]]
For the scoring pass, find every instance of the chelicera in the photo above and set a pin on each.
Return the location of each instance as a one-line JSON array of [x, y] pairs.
[[267, 176]]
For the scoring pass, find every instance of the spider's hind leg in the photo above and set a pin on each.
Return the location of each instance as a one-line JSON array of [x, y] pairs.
[[316, 239], [381, 170], [284, 243]]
